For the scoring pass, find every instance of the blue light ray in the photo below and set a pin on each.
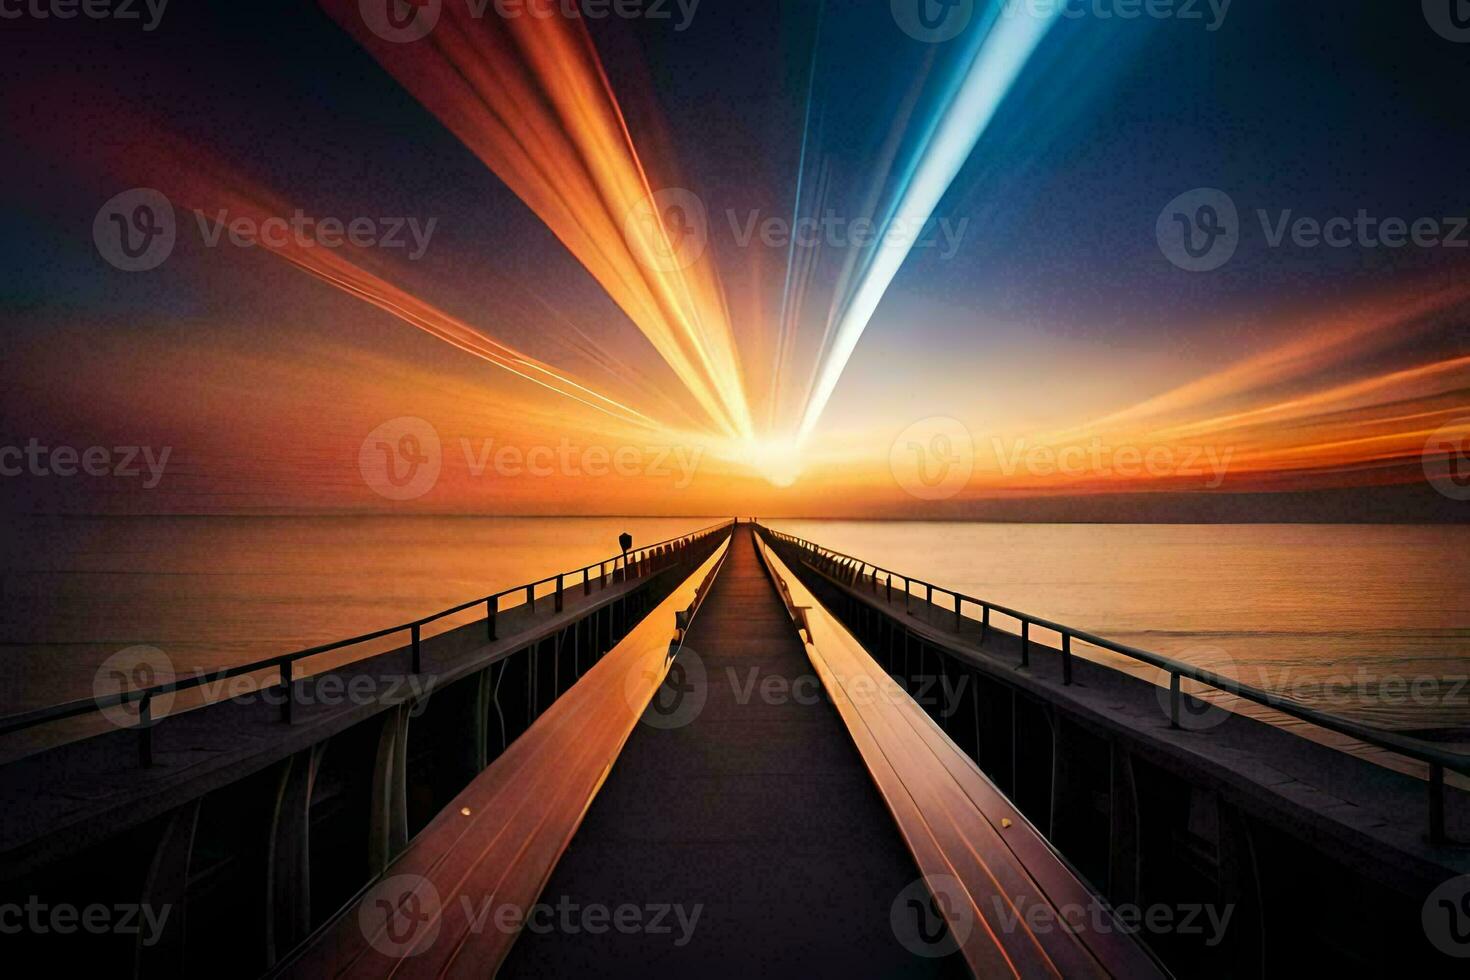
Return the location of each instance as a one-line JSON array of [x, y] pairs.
[[1002, 52]]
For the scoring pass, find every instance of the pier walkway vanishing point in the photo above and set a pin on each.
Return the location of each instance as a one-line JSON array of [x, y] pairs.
[[830, 766], [751, 827]]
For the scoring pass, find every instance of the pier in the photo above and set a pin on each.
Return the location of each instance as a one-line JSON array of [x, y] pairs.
[[760, 810], [735, 753]]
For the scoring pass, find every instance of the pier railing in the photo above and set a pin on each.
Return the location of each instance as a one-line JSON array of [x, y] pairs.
[[856, 572], [630, 565]]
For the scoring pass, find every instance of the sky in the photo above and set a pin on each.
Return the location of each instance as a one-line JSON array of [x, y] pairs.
[[841, 258]]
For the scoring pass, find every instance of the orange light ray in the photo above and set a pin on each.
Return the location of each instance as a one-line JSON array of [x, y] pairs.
[[529, 96]]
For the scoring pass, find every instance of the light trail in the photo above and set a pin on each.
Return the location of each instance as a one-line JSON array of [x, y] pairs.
[[334, 269], [1319, 409], [1001, 53], [134, 146], [528, 95], [1325, 340], [791, 305], [192, 180]]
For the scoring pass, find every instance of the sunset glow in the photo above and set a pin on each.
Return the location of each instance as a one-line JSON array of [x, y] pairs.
[[618, 331]]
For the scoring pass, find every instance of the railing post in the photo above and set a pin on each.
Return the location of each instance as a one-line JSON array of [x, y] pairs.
[[1067, 659], [602, 570], [560, 602], [959, 615], [888, 587], [1025, 643], [1173, 700], [929, 595], [287, 701], [586, 581], [984, 624], [145, 732], [492, 606], [1436, 804], [908, 594], [418, 663], [531, 596]]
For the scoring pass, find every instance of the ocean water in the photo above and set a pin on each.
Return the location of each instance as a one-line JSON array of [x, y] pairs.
[[221, 591], [1369, 621]]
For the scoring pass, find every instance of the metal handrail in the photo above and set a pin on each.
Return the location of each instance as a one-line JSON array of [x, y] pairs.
[[285, 662], [1437, 758]]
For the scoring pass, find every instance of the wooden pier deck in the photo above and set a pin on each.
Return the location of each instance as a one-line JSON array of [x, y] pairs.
[[715, 814], [770, 792], [759, 811]]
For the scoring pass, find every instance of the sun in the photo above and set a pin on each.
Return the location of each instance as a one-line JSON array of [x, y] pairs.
[[780, 461]]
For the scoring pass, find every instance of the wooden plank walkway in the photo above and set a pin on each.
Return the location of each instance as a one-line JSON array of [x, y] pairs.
[[438, 911], [757, 811], [746, 827], [1004, 890]]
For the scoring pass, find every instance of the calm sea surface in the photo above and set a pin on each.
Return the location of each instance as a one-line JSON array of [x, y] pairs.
[[1370, 621], [213, 592]]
